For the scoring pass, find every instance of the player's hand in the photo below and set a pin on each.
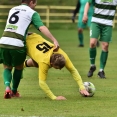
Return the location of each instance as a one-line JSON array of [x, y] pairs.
[[85, 18], [73, 19], [84, 92], [60, 98], [56, 47]]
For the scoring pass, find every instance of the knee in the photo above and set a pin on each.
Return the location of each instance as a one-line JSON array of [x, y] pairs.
[[93, 42], [80, 30], [105, 46], [92, 45]]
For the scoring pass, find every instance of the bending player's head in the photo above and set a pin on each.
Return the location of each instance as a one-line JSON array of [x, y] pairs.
[[57, 61], [30, 3]]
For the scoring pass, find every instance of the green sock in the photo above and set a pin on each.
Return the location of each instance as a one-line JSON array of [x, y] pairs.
[[80, 36], [103, 59], [17, 75], [7, 75], [92, 53]]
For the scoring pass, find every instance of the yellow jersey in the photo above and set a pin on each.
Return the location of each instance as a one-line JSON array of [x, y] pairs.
[[40, 50]]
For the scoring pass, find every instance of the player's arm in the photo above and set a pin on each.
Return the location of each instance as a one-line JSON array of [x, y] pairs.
[[76, 11], [76, 76], [86, 9], [36, 20], [42, 76], [43, 69], [48, 34]]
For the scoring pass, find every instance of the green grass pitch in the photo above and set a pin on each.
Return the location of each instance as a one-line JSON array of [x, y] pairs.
[[35, 103]]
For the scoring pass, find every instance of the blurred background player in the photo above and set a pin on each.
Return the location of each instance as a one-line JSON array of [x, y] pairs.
[[42, 56], [101, 25], [80, 9]]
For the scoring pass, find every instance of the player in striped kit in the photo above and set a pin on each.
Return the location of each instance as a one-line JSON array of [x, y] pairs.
[[101, 26], [13, 40]]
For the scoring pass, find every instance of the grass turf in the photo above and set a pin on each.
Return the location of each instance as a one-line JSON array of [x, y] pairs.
[[35, 103]]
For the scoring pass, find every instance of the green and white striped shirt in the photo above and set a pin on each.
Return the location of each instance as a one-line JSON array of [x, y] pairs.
[[17, 25], [104, 11]]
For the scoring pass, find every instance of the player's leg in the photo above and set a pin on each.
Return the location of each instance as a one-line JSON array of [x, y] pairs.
[[1, 61], [7, 75], [105, 38], [80, 37], [30, 63], [89, 24], [92, 54], [7, 81], [18, 68], [94, 34], [81, 26]]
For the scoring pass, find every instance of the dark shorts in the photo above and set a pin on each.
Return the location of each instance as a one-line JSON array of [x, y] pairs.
[[13, 57], [1, 61], [0, 57]]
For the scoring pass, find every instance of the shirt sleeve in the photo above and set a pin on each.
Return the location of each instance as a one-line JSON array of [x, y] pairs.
[[74, 73], [46, 89], [77, 8], [36, 20], [43, 70]]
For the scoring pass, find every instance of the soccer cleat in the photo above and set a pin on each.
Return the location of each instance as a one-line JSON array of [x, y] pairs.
[[101, 74], [7, 94], [92, 69], [80, 45], [15, 94]]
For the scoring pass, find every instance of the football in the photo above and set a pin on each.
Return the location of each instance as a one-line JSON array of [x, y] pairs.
[[90, 88]]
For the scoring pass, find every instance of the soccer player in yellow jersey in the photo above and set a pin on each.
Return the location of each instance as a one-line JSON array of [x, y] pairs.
[[42, 56]]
